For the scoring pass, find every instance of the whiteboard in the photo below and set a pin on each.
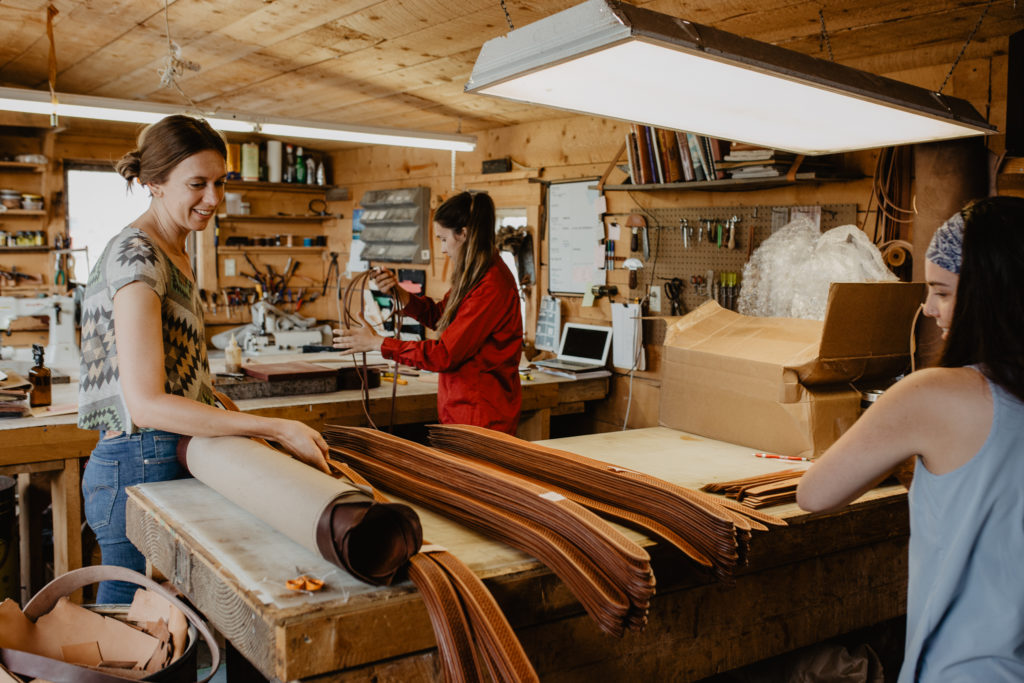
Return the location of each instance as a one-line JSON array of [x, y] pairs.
[[575, 234]]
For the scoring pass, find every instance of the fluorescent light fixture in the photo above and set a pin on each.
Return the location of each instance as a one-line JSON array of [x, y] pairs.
[[619, 61], [132, 111]]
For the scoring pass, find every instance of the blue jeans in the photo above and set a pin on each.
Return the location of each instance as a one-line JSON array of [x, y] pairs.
[[114, 464]]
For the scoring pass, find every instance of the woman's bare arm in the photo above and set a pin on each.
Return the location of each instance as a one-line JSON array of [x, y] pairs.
[[139, 336]]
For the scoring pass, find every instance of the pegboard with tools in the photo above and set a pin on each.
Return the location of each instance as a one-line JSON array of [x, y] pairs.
[[691, 249]]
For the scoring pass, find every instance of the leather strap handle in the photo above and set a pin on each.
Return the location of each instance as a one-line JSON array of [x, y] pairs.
[[65, 585]]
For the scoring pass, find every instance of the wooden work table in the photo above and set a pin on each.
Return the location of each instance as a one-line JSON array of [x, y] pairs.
[[821, 576], [52, 443]]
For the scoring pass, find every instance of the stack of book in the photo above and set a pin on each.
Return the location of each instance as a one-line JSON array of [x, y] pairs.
[[657, 155], [750, 161]]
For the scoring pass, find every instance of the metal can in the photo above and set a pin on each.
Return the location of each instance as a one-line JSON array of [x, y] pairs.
[[868, 398]]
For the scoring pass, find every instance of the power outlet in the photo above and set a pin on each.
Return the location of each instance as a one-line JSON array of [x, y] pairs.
[[654, 299], [229, 267]]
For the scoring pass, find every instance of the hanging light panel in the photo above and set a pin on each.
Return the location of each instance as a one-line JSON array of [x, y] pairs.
[[624, 62]]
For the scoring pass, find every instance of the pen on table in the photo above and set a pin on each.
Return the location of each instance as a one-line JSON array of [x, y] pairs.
[[774, 456]]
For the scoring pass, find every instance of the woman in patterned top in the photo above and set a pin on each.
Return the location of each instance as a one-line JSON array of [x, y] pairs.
[[145, 379]]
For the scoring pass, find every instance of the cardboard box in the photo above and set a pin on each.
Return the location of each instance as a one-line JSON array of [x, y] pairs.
[[783, 385]]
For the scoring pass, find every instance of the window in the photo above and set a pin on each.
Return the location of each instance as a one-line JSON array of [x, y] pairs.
[[99, 206]]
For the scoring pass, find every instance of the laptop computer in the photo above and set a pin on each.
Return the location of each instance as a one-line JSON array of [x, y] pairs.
[[583, 348]]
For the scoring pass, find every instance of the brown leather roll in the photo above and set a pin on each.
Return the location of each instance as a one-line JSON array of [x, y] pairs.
[[334, 518]]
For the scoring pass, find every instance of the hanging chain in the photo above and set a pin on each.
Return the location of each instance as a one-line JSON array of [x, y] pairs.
[[964, 48], [824, 39], [507, 17]]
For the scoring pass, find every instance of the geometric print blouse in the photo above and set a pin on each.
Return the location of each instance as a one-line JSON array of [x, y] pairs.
[[131, 256]]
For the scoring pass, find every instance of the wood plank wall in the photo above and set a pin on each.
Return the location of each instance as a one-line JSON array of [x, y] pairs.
[[579, 147]]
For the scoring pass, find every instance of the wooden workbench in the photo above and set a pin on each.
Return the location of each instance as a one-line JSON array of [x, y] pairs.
[[821, 576], [54, 444]]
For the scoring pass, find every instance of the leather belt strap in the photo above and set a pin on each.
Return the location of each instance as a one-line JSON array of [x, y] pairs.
[[462, 612], [761, 490], [607, 572], [707, 528]]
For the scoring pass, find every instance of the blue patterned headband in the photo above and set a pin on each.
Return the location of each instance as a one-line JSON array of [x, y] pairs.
[[947, 245]]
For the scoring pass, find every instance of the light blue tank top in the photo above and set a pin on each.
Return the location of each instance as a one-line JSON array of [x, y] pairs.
[[965, 602]]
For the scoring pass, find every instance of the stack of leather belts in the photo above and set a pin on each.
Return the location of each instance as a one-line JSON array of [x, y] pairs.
[[713, 531], [760, 491], [608, 573], [463, 613]]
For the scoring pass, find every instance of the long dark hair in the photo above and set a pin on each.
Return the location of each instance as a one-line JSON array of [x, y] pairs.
[[165, 144], [474, 213], [988, 316]]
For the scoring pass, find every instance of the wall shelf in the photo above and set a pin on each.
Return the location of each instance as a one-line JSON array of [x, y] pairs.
[[252, 218], [23, 250], [22, 212], [731, 184], [300, 188], [21, 166], [257, 250]]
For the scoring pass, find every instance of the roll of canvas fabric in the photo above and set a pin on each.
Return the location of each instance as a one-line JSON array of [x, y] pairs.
[[331, 517]]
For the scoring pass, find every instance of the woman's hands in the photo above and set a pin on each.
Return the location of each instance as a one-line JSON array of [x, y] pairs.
[[357, 339], [304, 442], [387, 282]]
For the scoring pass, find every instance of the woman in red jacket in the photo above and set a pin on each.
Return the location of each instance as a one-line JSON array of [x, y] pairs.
[[477, 353]]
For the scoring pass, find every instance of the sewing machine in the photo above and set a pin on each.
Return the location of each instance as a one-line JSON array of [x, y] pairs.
[[278, 331], [62, 349]]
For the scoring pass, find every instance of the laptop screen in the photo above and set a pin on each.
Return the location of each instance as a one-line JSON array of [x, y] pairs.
[[585, 343]]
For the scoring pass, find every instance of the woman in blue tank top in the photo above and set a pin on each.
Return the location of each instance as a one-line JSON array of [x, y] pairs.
[[964, 421]]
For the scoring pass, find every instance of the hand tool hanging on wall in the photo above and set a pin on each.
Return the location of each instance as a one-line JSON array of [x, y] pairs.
[[674, 292], [639, 240], [633, 265], [732, 232]]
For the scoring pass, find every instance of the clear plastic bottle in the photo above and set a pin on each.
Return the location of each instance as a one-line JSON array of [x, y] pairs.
[[233, 356], [310, 170]]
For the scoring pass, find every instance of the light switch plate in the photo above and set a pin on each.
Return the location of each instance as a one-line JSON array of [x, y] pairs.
[[654, 299], [229, 267]]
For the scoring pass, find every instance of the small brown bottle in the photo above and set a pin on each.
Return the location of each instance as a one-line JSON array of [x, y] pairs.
[[39, 378]]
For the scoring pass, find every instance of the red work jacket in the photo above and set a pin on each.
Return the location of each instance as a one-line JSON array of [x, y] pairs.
[[477, 355]]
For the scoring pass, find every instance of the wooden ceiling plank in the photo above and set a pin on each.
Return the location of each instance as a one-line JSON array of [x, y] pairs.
[[914, 33], [145, 45], [284, 57], [73, 43], [273, 24], [23, 25]]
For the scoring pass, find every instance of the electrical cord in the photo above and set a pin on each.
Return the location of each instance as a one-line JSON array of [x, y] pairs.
[[356, 287], [654, 267]]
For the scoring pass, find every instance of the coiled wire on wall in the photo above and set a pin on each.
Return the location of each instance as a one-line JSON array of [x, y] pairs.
[[357, 286]]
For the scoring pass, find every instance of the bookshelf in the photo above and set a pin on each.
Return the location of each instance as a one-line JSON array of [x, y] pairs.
[[684, 161], [730, 184]]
